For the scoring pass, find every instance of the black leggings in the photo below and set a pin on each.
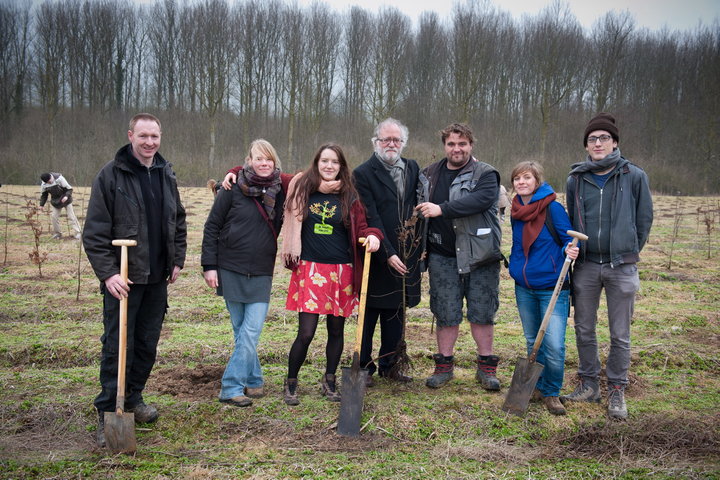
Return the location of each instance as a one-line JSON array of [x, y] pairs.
[[306, 331]]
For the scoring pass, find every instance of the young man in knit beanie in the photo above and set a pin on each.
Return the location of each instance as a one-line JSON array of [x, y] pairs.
[[608, 199]]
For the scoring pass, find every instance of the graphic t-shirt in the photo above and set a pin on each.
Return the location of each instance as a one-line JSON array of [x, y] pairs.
[[324, 236]]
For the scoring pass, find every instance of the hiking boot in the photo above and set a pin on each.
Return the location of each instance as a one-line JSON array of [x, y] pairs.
[[443, 371], [617, 409], [486, 370], [395, 376], [237, 401], [329, 388], [369, 381], [554, 405], [255, 392], [586, 391], [290, 396], [536, 396], [100, 432], [144, 413]]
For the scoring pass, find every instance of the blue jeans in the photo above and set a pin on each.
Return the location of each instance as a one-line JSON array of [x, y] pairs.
[[532, 305], [243, 368]]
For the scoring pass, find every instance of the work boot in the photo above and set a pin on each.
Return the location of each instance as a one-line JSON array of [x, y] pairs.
[[486, 371], [290, 391], [586, 391], [536, 396], [395, 376], [144, 413], [554, 406], [329, 388], [100, 433], [255, 392], [617, 409], [443, 371]]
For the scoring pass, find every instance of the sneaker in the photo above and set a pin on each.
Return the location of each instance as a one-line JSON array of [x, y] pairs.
[[100, 432], [255, 392], [237, 401], [584, 392], [290, 396], [486, 372], [56, 236], [443, 371], [77, 236], [329, 388], [617, 409], [554, 405], [144, 413]]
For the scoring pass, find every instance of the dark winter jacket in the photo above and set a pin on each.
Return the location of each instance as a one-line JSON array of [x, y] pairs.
[[117, 211], [388, 214], [473, 210], [541, 268], [237, 237], [617, 218], [57, 190]]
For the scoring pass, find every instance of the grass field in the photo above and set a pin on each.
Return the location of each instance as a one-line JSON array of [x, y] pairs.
[[50, 326]]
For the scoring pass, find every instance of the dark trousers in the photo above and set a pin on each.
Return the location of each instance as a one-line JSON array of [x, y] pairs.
[[391, 321], [147, 305]]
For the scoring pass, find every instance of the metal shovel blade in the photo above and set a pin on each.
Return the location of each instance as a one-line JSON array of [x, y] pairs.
[[522, 386], [354, 384], [120, 432]]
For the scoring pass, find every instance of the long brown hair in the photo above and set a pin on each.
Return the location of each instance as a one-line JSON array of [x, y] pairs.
[[310, 181]]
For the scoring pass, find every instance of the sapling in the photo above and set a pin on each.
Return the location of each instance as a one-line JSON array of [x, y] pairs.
[[36, 256]]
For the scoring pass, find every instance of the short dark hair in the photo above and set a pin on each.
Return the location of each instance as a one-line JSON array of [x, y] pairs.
[[459, 128], [45, 177], [143, 116]]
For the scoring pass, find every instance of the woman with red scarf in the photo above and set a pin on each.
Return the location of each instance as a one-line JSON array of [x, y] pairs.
[[535, 263]]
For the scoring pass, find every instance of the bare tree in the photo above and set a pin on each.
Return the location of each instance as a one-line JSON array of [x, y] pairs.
[[608, 48], [356, 64]]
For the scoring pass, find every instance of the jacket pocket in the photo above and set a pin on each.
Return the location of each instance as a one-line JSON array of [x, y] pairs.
[[482, 247]]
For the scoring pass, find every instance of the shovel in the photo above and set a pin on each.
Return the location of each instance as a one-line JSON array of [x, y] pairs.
[[354, 378], [120, 425], [527, 371]]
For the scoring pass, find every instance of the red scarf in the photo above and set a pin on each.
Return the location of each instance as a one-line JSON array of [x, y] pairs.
[[533, 214]]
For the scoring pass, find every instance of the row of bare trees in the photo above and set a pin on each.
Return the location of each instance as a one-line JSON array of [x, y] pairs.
[[220, 73]]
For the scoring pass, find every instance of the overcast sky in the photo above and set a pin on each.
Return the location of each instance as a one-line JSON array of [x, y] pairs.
[[651, 14]]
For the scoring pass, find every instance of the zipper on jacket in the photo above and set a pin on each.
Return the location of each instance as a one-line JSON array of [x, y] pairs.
[[600, 223], [128, 197]]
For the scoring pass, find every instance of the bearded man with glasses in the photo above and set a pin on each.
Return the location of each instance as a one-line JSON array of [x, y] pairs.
[[386, 183], [608, 199]]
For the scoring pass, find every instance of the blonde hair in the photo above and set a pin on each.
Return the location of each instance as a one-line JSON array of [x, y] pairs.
[[534, 168], [264, 147]]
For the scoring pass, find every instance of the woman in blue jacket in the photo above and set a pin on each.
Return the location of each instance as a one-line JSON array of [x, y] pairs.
[[537, 256]]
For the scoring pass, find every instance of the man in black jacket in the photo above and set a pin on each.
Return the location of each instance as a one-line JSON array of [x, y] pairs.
[[134, 197], [387, 184], [609, 200]]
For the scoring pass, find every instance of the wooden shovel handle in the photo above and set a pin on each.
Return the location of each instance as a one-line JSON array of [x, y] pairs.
[[122, 347], [577, 236], [363, 297]]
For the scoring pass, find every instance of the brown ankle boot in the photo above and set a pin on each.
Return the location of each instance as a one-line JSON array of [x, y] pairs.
[[554, 406], [290, 392], [329, 388]]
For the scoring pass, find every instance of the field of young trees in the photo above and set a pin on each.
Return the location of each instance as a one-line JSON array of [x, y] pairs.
[[219, 73], [51, 321]]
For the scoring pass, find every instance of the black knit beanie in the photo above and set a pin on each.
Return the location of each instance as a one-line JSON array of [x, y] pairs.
[[602, 121]]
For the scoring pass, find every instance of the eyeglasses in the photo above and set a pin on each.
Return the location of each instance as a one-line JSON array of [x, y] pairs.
[[602, 138], [389, 140]]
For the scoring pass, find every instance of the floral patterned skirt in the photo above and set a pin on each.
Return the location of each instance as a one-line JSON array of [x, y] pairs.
[[322, 288]]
